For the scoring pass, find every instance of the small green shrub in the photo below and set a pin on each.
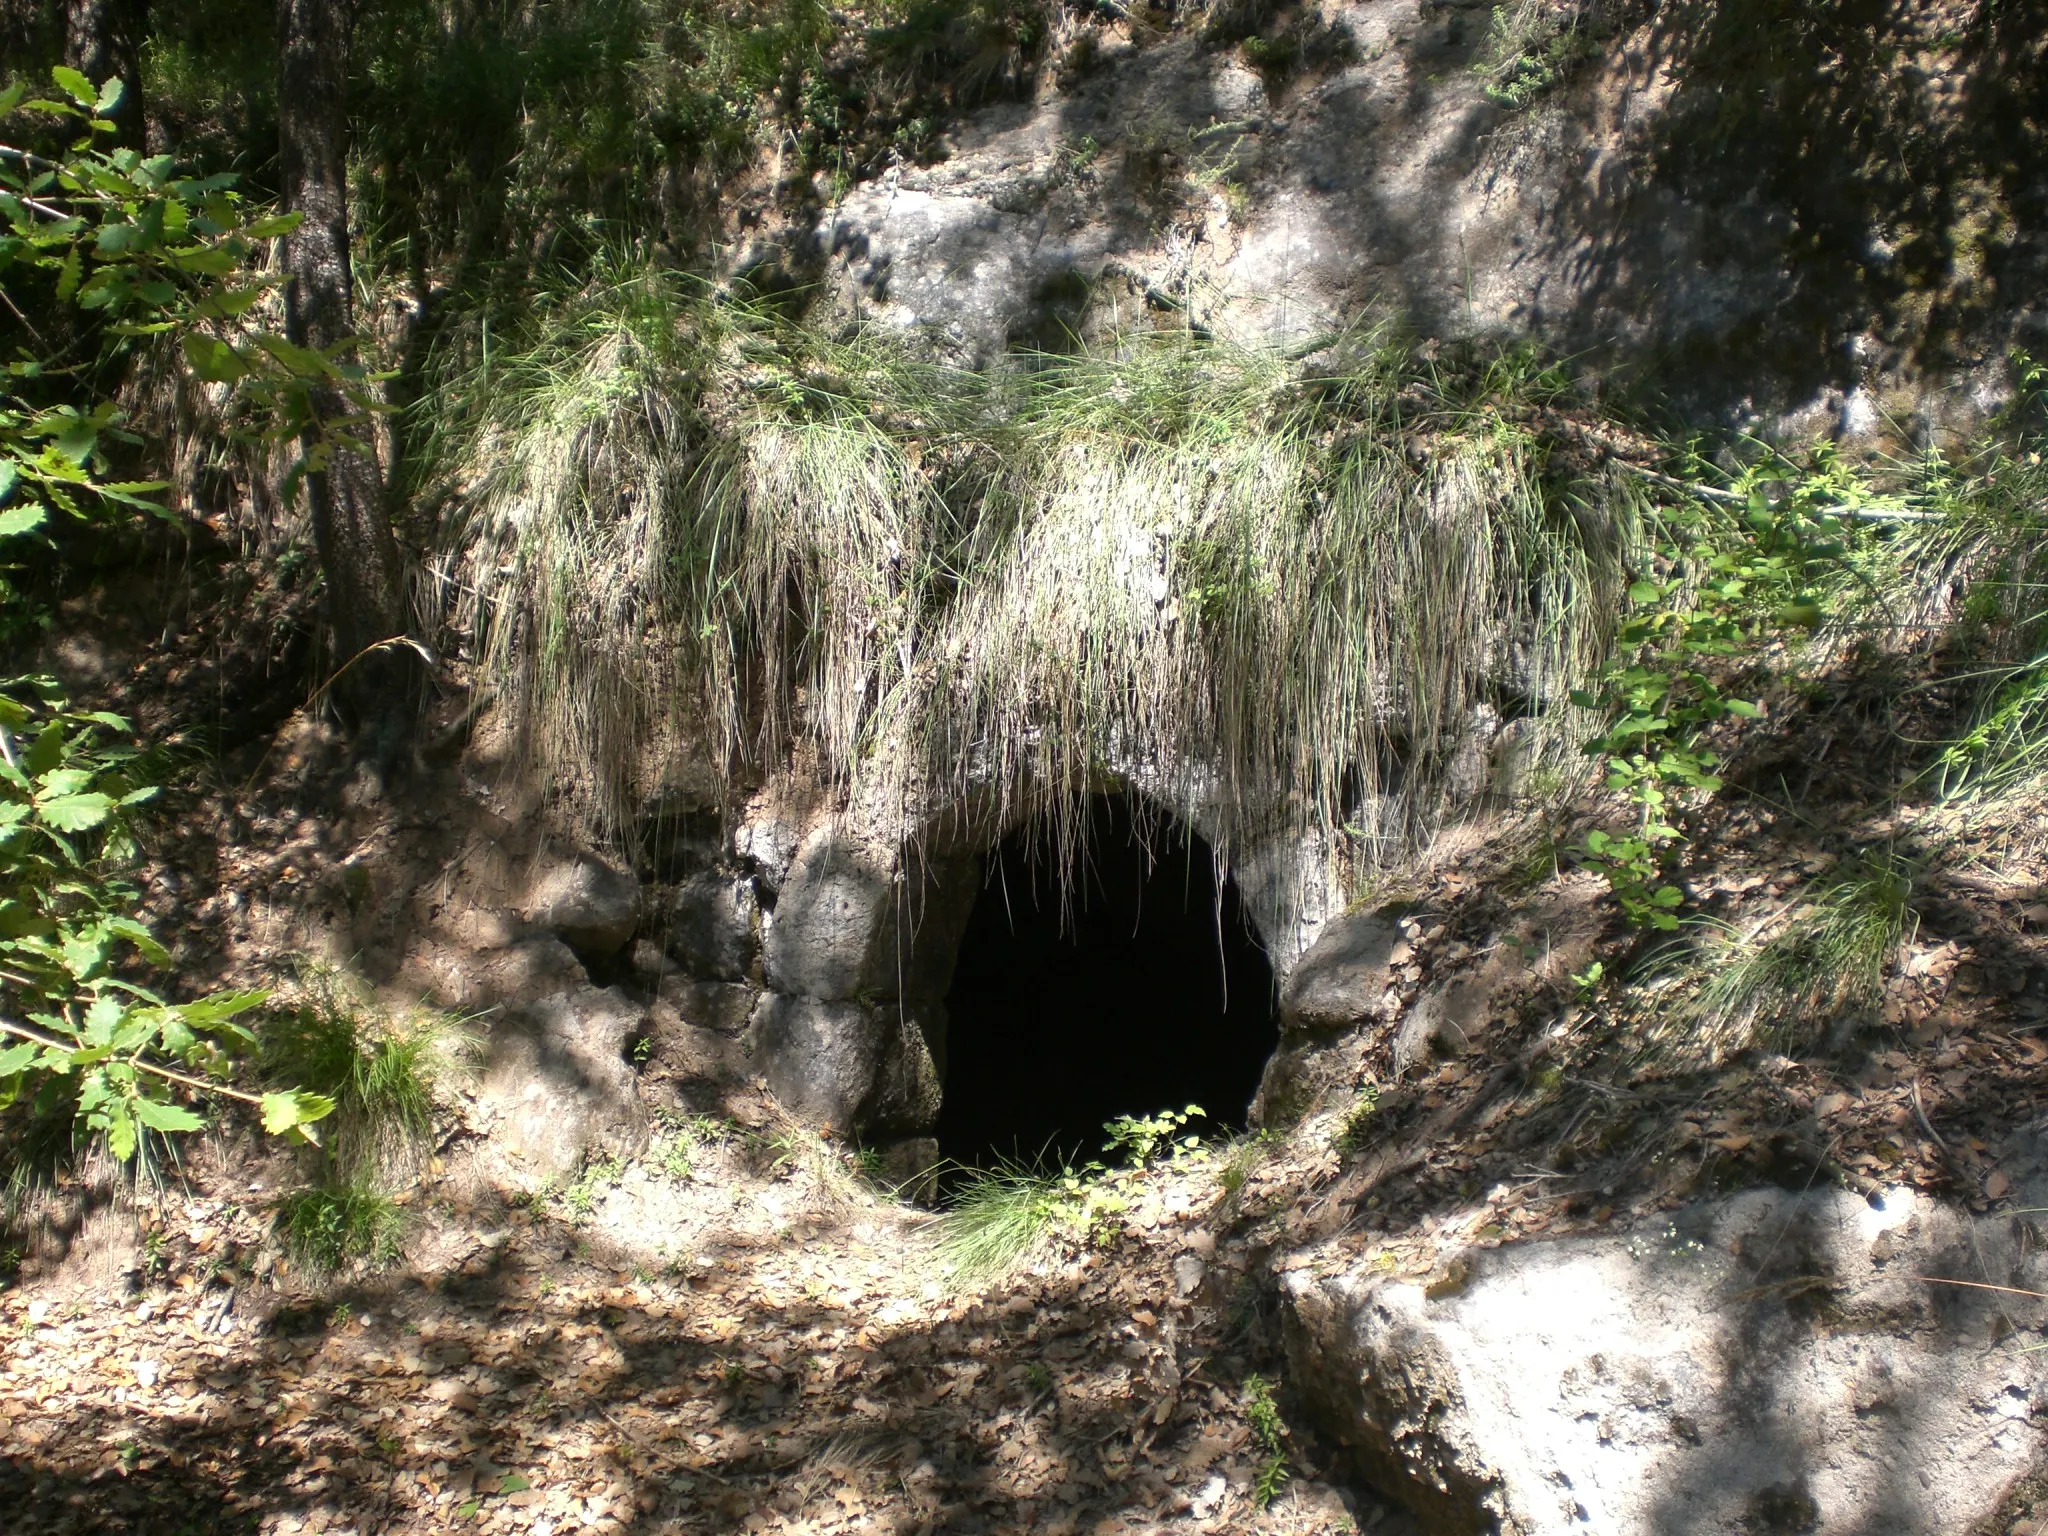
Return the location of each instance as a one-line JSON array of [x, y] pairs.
[[1140, 1138], [330, 1224], [1531, 45], [1357, 1127], [1262, 1417], [599, 1174], [675, 1155]]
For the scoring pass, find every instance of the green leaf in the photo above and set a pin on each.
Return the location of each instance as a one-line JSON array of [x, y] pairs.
[[68, 276], [15, 521], [205, 260], [84, 953], [110, 96], [214, 361], [75, 813], [166, 1117], [15, 1059], [1645, 593], [65, 781], [273, 225], [514, 1483], [220, 1007], [138, 935], [302, 362], [1743, 708], [46, 752], [121, 1136], [294, 1111], [100, 1019], [77, 441], [74, 85]]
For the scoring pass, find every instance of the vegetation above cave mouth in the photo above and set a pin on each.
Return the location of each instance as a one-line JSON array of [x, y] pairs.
[[1277, 584], [1245, 573]]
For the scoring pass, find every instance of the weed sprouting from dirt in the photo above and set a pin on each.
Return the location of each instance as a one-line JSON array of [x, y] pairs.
[[1262, 1417]]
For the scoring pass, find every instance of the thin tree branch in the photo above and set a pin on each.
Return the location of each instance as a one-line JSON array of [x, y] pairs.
[[1978, 1285], [27, 158], [22, 1031], [1736, 498]]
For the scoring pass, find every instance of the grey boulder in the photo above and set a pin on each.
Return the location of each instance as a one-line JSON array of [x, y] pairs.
[[556, 1084], [1342, 977], [843, 1067], [713, 927], [1767, 1363], [830, 921], [592, 905]]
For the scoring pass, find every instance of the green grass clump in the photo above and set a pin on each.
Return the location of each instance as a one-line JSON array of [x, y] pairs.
[[382, 1070], [997, 1215], [1242, 1158], [1357, 1129], [1827, 957], [330, 1224]]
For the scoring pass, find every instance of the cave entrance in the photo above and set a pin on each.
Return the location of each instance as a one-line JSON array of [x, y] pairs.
[[1142, 993]]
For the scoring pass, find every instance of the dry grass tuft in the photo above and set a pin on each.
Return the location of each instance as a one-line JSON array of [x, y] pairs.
[[1299, 598]]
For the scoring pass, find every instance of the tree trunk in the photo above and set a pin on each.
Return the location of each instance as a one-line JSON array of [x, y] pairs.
[[102, 40], [359, 559]]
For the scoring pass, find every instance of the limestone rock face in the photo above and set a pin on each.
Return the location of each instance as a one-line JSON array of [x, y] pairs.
[[556, 1083], [829, 919], [1767, 1363], [713, 927], [1382, 179], [719, 1006], [590, 904]]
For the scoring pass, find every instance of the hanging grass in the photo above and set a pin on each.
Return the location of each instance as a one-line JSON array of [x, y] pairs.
[[1281, 592]]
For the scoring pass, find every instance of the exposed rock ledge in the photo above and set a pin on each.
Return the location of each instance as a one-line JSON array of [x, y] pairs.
[[1772, 1362]]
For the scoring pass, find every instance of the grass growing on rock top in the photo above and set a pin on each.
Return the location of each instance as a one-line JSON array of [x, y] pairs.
[[1245, 578]]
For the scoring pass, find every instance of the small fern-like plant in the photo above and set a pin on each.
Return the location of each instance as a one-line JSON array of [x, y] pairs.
[[1262, 1417]]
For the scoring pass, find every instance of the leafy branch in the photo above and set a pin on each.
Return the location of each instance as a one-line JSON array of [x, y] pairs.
[[127, 244], [1730, 570]]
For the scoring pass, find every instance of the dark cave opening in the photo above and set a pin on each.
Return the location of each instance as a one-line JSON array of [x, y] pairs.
[[1149, 996]]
